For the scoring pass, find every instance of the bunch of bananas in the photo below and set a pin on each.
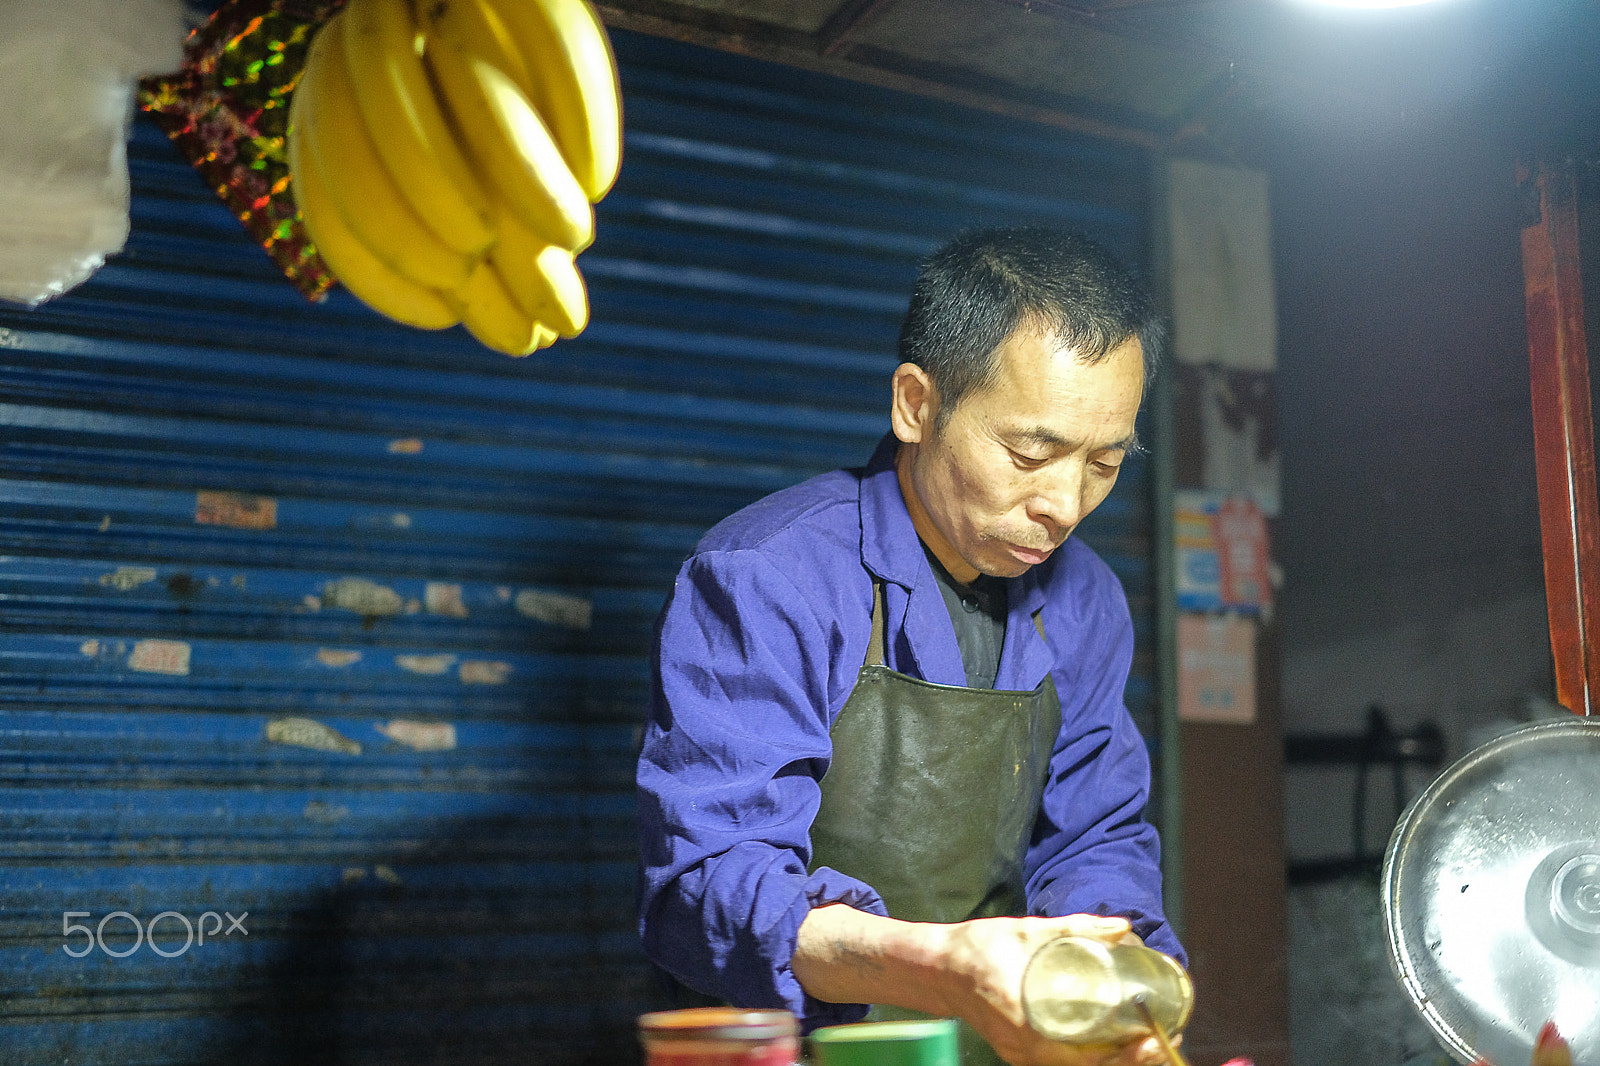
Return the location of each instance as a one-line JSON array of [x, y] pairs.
[[445, 154]]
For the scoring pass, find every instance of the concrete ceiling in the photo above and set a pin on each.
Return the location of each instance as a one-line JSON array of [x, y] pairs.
[[1175, 73]]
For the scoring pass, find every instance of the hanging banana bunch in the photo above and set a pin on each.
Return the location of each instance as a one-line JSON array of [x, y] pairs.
[[445, 154]]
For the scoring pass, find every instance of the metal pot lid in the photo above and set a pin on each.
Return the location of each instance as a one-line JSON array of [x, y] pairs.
[[1491, 895]]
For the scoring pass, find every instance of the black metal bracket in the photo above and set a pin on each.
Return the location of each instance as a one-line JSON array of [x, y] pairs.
[[1378, 745]]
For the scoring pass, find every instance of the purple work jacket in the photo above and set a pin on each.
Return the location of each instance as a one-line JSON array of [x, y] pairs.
[[760, 644]]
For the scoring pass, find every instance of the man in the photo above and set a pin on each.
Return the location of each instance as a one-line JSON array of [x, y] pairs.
[[888, 710]]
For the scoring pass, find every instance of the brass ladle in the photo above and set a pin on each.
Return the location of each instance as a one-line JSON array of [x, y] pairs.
[[1173, 1058]]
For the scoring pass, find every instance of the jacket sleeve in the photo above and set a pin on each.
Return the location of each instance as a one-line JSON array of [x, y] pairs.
[[731, 756], [1092, 850]]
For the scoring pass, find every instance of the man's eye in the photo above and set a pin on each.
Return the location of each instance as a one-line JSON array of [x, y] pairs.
[[1026, 460]]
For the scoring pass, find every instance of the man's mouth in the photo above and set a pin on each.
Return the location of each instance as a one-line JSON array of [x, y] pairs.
[[1031, 556]]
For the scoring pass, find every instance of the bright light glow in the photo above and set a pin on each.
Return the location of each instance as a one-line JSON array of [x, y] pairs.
[[1373, 5]]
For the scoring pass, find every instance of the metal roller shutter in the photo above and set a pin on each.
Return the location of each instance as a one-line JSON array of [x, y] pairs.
[[342, 627]]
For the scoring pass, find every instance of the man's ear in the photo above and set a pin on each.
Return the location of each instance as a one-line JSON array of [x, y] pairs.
[[915, 403]]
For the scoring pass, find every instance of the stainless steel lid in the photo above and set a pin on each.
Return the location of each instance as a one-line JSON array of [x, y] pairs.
[[1491, 895]]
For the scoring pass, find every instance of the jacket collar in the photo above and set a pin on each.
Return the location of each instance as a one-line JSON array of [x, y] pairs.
[[889, 546]]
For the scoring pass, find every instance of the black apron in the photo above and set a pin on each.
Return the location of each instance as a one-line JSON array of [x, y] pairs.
[[931, 796]]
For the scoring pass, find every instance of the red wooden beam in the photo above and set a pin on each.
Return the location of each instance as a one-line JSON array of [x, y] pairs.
[[1563, 435]]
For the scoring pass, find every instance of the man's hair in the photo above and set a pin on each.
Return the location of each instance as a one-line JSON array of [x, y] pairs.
[[980, 288]]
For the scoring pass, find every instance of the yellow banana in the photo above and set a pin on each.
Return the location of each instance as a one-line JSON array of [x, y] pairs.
[[492, 316], [573, 81], [361, 272], [408, 129], [477, 28], [542, 278], [336, 140], [511, 143]]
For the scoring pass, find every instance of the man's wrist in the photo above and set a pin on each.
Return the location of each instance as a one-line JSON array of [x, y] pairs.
[[940, 959]]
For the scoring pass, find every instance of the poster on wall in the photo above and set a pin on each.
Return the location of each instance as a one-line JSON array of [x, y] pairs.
[[1217, 668], [1223, 560]]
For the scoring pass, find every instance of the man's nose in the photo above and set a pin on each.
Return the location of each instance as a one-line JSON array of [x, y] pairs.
[[1058, 498]]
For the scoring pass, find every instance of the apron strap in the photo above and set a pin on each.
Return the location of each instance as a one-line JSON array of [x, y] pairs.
[[875, 644]]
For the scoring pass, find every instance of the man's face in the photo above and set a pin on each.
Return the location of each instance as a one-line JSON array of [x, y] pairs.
[[1017, 465]]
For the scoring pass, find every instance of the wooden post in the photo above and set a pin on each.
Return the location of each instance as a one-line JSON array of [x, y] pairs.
[[1563, 433]]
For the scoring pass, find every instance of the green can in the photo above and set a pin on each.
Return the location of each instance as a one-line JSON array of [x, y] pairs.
[[908, 1043]]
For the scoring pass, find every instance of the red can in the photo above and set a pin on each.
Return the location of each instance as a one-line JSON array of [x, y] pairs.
[[720, 1036]]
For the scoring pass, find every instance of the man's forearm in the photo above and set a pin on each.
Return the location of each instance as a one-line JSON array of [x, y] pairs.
[[970, 970], [844, 955]]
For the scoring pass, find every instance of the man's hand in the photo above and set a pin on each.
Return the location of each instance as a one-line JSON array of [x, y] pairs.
[[985, 960], [969, 970]]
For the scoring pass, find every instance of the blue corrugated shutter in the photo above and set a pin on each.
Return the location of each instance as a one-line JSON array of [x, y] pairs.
[[343, 626]]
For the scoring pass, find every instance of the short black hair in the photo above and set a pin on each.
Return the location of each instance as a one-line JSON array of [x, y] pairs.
[[977, 290]]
